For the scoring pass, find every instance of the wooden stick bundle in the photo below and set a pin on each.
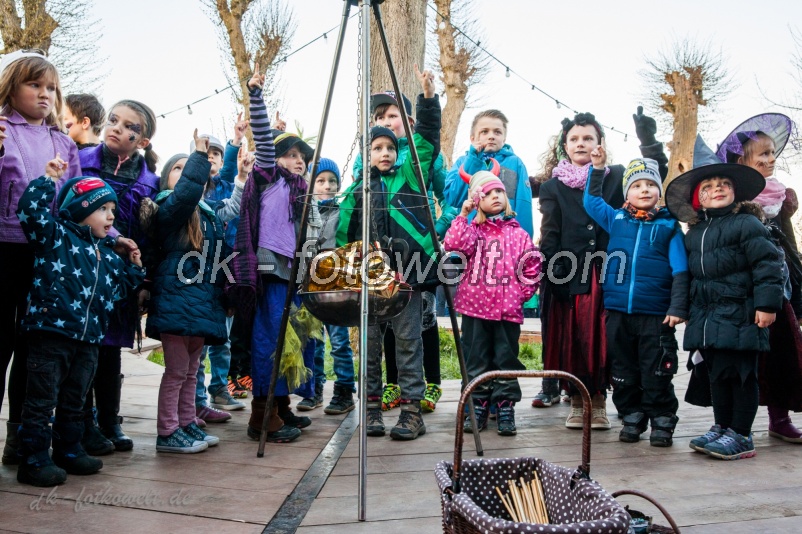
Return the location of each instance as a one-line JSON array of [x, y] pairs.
[[525, 503]]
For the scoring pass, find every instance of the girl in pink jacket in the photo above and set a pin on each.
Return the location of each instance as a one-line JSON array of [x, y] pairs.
[[502, 272]]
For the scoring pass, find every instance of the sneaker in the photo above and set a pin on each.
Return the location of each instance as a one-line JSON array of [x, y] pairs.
[[391, 397], [341, 402], [430, 397], [223, 400], [598, 414], [731, 446], [698, 444], [77, 462], [480, 409], [285, 434], [564, 396], [210, 415], [506, 418], [246, 382], [192, 430], [309, 404], [545, 399], [235, 389], [410, 424], [180, 442], [575, 419], [40, 471], [375, 421], [291, 419]]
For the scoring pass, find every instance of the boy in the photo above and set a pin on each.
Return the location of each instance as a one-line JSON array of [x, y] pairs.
[[645, 295], [83, 119], [488, 140], [398, 215], [325, 185], [77, 278]]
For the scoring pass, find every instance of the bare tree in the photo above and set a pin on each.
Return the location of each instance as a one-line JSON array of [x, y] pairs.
[[64, 29], [681, 80], [251, 32]]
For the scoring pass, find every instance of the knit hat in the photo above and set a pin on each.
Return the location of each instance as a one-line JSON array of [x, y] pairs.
[[381, 131], [325, 164], [284, 141], [11, 57], [166, 170], [388, 97], [482, 183], [81, 196], [213, 143], [642, 169]]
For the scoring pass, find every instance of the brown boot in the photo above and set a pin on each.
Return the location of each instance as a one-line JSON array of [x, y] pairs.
[[277, 431], [575, 417], [598, 418]]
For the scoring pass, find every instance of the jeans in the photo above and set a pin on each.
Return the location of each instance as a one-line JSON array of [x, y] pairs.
[[177, 388], [220, 360], [342, 355]]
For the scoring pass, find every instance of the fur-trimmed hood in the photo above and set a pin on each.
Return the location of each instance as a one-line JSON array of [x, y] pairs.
[[747, 206]]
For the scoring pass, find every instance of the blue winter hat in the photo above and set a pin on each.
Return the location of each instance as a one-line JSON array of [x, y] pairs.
[[81, 196], [326, 164]]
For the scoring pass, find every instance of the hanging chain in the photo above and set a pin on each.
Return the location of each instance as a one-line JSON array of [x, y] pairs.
[[358, 97]]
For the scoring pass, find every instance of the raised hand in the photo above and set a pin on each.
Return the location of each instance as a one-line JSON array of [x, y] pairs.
[[279, 123], [426, 79], [201, 143], [467, 207], [240, 127], [645, 127], [245, 161], [598, 157], [257, 80], [55, 168]]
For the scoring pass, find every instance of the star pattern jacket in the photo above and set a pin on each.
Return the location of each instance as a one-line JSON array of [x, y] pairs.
[[77, 277]]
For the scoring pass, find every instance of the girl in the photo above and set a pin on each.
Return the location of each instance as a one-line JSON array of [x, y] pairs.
[[130, 127], [186, 312], [736, 290], [30, 136], [758, 142], [266, 238], [573, 245], [502, 273]]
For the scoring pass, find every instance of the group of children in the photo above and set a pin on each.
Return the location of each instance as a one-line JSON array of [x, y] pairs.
[[98, 239]]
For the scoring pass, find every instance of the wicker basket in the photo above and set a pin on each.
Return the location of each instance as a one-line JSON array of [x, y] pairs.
[[576, 503]]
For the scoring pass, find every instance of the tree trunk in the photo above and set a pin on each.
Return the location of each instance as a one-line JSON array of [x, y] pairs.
[[39, 25], [232, 20], [683, 106]]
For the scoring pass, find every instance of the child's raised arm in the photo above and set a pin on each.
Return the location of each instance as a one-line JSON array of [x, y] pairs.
[[260, 122], [594, 203]]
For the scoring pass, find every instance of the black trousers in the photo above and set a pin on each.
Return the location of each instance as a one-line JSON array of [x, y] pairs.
[[240, 338], [104, 391], [733, 387], [643, 356], [492, 346]]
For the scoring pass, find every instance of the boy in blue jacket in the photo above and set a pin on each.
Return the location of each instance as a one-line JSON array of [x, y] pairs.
[[645, 281], [77, 278]]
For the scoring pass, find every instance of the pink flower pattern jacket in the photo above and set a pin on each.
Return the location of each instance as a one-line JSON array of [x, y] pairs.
[[502, 272]]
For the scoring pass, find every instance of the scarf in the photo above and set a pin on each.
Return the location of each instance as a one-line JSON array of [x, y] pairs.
[[772, 197], [641, 215], [573, 176], [202, 204]]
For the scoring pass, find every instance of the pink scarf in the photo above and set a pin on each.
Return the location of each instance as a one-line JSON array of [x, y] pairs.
[[573, 176], [772, 197]]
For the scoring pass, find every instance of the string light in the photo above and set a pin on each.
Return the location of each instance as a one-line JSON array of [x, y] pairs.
[[625, 137], [508, 72], [559, 106], [189, 110]]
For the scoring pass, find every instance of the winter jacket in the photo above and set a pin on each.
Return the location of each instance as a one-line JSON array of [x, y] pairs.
[[188, 285], [502, 269], [77, 277], [735, 270], [513, 176], [329, 214], [652, 275], [397, 212], [23, 157]]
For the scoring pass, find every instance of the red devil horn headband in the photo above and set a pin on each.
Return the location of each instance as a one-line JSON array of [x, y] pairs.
[[495, 169]]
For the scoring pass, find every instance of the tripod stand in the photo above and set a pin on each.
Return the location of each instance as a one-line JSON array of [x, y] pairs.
[[365, 11]]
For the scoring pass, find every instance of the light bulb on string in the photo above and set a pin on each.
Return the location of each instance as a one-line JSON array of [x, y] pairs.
[[508, 72], [325, 38], [626, 136], [559, 106], [189, 110]]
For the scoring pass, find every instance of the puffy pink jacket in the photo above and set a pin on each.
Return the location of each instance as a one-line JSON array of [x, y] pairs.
[[503, 269]]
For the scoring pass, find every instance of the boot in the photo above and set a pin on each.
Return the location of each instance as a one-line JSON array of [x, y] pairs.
[[663, 430], [598, 418], [575, 419], [277, 431], [35, 466], [68, 453], [10, 449], [107, 397], [311, 403], [410, 423], [780, 426], [93, 441], [375, 424], [481, 411], [506, 418], [341, 402], [634, 425], [285, 412]]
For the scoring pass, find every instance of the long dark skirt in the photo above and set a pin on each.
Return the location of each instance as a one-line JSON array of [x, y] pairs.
[[780, 370]]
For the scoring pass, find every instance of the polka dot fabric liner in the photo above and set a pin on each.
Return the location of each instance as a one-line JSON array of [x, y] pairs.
[[586, 508]]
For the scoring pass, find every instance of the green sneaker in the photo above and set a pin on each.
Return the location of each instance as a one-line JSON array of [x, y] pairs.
[[430, 397], [391, 397]]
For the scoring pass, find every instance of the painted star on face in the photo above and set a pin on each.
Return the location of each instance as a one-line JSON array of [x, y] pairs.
[[75, 304], [60, 323], [74, 250], [57, 265]]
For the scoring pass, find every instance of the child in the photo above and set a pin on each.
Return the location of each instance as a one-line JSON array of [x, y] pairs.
[[758, 142], [325, 185], [502, 272], [83, 119], [130, 128], [573, 246], [76, 280], [645, 297], [266, 239], [30, 136], [185, 307], [398, 215], [488, 141], [736, 290]]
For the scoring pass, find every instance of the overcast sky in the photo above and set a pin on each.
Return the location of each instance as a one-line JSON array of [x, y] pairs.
[[584, 53]]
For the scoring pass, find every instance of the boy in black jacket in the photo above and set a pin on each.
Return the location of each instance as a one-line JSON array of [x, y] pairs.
[[77, 278]]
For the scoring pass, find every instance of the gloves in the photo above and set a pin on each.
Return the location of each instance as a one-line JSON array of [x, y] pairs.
[[645, 128]]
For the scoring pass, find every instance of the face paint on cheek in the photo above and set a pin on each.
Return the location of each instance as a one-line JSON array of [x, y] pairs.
[[131, 138], [136, 128]]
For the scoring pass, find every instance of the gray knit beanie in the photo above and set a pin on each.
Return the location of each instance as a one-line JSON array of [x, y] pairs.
[[166, 170]]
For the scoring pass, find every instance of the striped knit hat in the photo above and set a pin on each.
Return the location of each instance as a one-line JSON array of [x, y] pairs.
[[482, 183]]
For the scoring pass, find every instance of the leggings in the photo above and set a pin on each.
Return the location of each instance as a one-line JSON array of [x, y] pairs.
[[735, 403]]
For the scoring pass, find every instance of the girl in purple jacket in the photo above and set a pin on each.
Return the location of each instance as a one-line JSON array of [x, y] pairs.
[[502, 272], [30, 136]]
